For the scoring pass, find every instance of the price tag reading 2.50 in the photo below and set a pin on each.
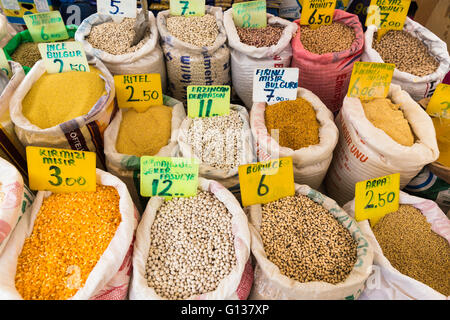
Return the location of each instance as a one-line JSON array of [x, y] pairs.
[[267, 181], [64, 56], [317, 12], [138, 91], [376, 197], [61, 170], [169, 177], [208, 101], [187, 8]]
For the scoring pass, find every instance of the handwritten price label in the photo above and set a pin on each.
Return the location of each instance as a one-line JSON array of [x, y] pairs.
[[187, 8], [273, 85], [374, 198], [439, 105], [63, 57], [317, 12], [208, 101], [117, 8], [267, 181], [46, 26], [138, 91], [387, 14], [251, 14], [168, 177], [61, 170], [4, 64], [370, 80]]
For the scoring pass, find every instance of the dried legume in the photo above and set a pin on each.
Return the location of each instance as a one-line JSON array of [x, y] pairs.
[[414, 249], [407, 52], [335, 37], [70, 233], [261, 37], [305, 241], [198, 31], [191, 248]]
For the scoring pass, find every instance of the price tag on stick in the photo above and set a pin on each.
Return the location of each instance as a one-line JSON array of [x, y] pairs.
[[208, 101], [63, 56], [273, 85], [169, 177], [387, 15], [267, 181], [4, 64], [46, 26], [439, 105], [117, 8], [374, 198], [61, 170], [138, 91], [370, 80], [317, 12], [187, 8], [250, 14]]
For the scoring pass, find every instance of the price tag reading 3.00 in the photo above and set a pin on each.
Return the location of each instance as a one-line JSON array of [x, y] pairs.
[[208, 101], [61, 170], [317, 12], [376, 197], [46, 26], [64, 56]]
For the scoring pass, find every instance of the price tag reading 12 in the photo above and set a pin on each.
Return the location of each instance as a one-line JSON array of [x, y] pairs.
[[317, 12], [376, 197], [117, 8], [138, 91], [208, 101], [387, 14], [251, 14], [370, 80], [267, 181], [273, 85], [187, 8], [46, 26], [169, 177], [61, 170], [63, 56]]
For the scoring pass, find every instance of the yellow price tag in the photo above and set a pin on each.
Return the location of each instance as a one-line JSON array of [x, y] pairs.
[[208, 101], [46, 26], [439, 105], [169, 177], [267, 181], [387, 14], [187, 8], [317, 12], [138, 91], [61, 170], [63, 56], [251, 14], [374, 198], [4, 64], [370, 80]]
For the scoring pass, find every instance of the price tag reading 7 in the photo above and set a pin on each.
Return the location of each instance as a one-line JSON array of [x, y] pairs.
[[317, 12], [387, 14], [117, 8], [61, 170], [267, 181], [187, 8], [374, 198]]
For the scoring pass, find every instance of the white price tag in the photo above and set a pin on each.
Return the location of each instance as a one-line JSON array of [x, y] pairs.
[[11, 4], [273, 85], [117, 8], [63, 56]]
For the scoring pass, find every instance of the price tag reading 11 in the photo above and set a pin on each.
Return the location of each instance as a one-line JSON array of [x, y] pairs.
[[317, 12], [208, 101], [46, 26], [138, 91], [370, 80], [374, 198], [250, 14], [63, 56], [187, 8], [169, 177], [267, 181], [61, 170]]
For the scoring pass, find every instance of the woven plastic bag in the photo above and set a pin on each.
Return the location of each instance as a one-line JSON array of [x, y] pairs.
[[127, 167], [109, 278], [236, 285], [148, 59], [246, 59], [192, 65], [387, 283], [365, 152], [82, 133], [270, 284], [417, 87], [310, 164], [328, 75]]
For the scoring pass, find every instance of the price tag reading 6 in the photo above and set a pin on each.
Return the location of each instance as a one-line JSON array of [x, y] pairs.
[[267, 181], [317, 12], [376, 197], [370, 80], [61, 170], [46, 26]]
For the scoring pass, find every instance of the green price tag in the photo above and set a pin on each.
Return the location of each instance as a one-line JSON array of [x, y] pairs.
[[187, 8], [46, 26], [4, 64], [251, 14], [208, 101], [374, 198], [169, 177], [63, 56], [370, 80]]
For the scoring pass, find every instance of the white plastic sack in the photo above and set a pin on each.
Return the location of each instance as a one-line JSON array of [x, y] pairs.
[[245, 59], [365, 152], [82, 133], [7, 31], [387, 283], [270, 284], [110, 277], [229, 179], [191, 65], [148, 59], [235, 285], [310, 164], [417, 87], [127, 167]]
